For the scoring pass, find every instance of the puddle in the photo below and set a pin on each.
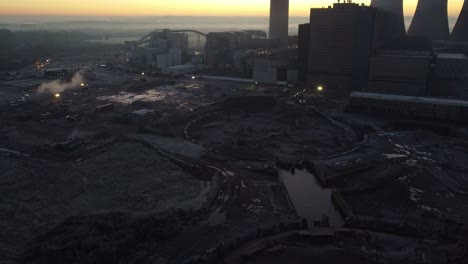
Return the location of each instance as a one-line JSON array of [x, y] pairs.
[[310, 199]]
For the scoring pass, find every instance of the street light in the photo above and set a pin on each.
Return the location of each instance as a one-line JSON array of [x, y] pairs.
[[320, 88]]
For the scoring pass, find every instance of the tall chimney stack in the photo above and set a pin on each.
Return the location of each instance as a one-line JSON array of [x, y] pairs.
[[279, 21]]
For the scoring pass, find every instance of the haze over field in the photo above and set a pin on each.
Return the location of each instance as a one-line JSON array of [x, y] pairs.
[[136, 26]]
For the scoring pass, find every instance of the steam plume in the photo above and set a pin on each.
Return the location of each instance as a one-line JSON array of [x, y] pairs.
[[58, 86]]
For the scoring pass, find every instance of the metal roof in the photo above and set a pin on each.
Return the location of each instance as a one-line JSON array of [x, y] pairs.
[[410, 99]]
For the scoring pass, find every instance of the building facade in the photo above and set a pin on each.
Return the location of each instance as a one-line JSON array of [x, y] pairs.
[[303, 51], [340, 45]]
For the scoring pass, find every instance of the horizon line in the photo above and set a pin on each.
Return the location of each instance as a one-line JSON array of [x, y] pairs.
[[141, 16]]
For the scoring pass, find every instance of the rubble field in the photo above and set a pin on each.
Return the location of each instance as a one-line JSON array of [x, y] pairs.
[[125, 169]]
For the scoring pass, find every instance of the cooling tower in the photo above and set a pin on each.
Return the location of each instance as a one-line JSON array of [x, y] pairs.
[[430, 20], [460, 31], [279, 21], [389, 22]]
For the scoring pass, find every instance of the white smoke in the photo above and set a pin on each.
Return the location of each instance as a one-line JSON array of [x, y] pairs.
[[59, 86]]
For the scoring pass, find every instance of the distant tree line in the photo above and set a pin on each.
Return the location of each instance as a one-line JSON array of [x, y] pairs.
[[21, 48]]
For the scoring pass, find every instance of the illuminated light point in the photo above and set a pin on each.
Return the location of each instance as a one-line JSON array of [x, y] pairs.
[[57, 95], [82, 85], [320, 88], [142, 73], [193, 77]]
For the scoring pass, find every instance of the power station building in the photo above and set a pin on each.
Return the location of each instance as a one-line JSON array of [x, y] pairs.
[[430, 20], [279, 21], [449, 76], [233, 51], [340, 45], [303, 46], [275, 65], [158, 49], [402, 66]]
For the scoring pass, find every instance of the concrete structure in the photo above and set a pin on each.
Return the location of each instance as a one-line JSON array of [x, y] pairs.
[[264, 71], [451, 66], [164, 61], [243, 62], [219, 49], [449, 76], [275, 66], [409, 66], [402, 66], [340, 46], [405, 74], [292, 76], [180, 70], [259, 43], [303, 51], [176, 55], [279, 21], [430, 20], [159, 49], [389, 21], [233, 51], [460, 31]]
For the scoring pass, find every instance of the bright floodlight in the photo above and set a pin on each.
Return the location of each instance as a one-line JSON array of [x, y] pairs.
[[82, 84], [320, 88], [193, 77], [142, 73], [57, 95]]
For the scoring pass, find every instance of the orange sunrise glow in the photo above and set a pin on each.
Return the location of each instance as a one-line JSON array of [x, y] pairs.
[[174, 7]]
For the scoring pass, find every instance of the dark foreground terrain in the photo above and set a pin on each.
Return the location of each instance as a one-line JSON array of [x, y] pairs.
[[124, 170]]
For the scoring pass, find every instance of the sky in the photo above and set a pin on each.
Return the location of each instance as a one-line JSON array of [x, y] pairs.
[[174, 7]]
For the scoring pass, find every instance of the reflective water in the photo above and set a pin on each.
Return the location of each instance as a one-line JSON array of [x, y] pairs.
[[310, 199]]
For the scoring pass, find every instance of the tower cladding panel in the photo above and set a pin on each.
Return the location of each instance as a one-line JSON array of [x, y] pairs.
[[460, 31], [303, 50], [279, 21], [340, 46], [389, 21], [430, 20]]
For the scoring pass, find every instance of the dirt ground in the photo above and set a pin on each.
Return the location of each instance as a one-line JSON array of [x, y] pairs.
[[342, 246], [154, 170], [38, 194], [82, 186]]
